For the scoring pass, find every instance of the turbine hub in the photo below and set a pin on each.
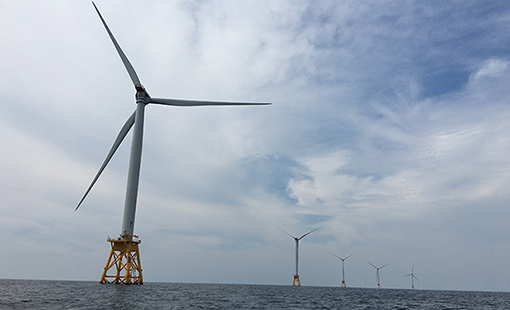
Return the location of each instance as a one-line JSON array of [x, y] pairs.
[[142, 95]]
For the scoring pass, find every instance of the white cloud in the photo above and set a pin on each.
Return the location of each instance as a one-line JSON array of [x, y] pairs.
[[491, 68]]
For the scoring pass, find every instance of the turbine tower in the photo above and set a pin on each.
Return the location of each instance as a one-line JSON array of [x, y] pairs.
[[377, 273], [295, 281], [124, 256], [412, 277], [343, 272]]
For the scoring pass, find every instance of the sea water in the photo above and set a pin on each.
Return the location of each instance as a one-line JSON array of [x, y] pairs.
[[32, 294]]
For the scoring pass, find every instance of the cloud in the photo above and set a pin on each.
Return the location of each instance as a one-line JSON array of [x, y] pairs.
[[491, 68]]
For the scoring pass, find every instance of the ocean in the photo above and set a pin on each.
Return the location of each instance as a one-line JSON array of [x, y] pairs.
[[36, 294]]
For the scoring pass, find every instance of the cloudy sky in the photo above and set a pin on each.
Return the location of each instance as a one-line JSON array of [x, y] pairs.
[[389, 127]]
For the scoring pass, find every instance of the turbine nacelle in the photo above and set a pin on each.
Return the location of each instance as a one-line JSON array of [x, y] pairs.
[[142, 96]]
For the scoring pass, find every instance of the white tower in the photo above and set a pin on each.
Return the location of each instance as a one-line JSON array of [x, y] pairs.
[[343, 271], [296, 281], [377, 273]]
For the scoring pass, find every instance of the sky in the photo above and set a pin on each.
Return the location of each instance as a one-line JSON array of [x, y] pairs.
[[388, 128]]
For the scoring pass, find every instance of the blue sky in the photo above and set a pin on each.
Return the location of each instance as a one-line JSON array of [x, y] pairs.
[[389, 127]]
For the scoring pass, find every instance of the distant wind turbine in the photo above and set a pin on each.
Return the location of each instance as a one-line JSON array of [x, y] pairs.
[[124, 255], [296, 281], [377, 273], [412, 277], [343, 272]]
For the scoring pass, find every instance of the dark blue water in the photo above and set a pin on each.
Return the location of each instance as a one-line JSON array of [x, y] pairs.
[[24, 294]]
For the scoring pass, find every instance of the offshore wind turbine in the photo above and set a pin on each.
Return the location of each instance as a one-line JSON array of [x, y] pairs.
[[295, 281], [343, 272], [124, 255], [412, 277], [377, 273]]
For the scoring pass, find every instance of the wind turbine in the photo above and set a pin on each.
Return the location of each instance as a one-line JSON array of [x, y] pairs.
[[296, 275], [412, 277], [124, 255], [377, 273], [343, 272]]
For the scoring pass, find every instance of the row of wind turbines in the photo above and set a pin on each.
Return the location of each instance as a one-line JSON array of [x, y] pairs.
[[297, 282]]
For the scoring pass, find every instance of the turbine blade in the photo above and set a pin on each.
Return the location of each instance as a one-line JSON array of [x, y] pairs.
[[311, 231], [120, 137], [415, 278], [286, 232], [335, 255], [194, 103], [349, 256], [372, 265], [127, 64], [383, 266]]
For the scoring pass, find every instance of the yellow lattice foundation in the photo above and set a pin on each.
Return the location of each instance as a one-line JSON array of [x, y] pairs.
[[296, 281], [124, 261], [343, 284]]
